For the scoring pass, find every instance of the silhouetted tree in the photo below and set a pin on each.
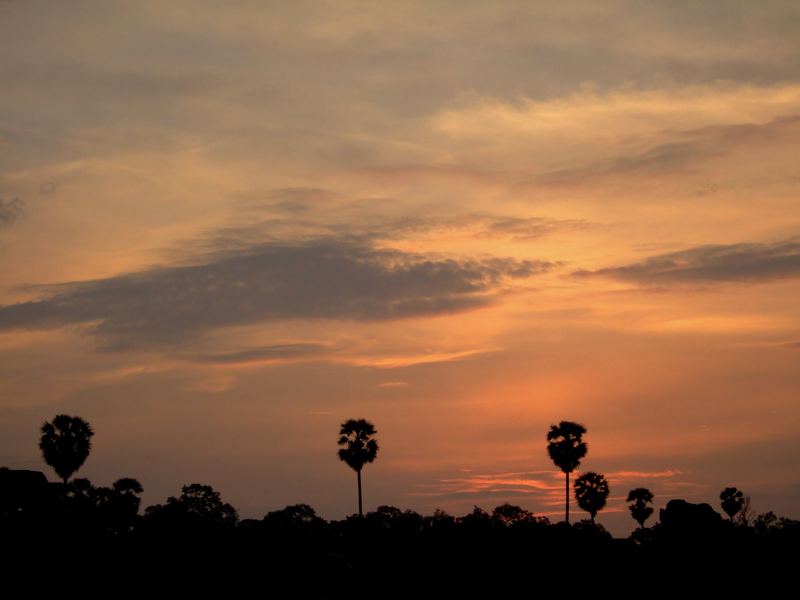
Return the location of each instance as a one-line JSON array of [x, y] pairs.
[[764, 522], [477, 520], [640, 512], [82, 500], [396, 520], [293, 520], [65, 444], [566, 449], [122, 504], [589, 531], [199, 508], [202, 501], [111, 510], [746, 514], [591, 491], [440, 520], [509, 515], [358, 448], [731, 500]]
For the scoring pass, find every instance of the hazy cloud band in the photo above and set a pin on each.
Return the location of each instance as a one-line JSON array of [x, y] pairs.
[[328, 279]]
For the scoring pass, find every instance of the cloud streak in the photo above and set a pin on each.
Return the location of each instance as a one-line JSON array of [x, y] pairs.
[[717, 263], [321, 279], [685, 152], [263, 354]]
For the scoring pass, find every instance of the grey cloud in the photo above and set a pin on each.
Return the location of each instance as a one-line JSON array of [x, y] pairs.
[[321, 75], [298, 200], [275, 352], [684, 153], [10, 210], [523, 229], [289, 215], [712, 263], [321, 279], [477, 225]]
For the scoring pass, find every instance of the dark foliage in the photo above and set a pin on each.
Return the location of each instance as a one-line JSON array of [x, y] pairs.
[[358, 448], [196, 539], [65, 444], [640, 511], [566, 448], [591, 492], [732, 501]]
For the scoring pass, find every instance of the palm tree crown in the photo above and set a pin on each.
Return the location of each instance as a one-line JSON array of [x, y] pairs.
[[358, 448], [732, 501], [65, 444], [591, 491], [640, 512], [566, 448]]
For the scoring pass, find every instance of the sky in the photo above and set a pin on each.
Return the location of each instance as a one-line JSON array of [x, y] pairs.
[[226, 228]]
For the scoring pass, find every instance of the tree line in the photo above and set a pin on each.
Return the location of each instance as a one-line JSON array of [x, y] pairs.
[[197, 533], [65, 444]]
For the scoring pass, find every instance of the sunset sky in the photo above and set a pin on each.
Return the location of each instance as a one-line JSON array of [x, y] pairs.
[[227, 227]]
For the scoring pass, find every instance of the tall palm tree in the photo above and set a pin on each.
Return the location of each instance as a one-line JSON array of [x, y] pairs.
[[640, 512], [358, 448], [591, 491], [65, 444], [566, 448]]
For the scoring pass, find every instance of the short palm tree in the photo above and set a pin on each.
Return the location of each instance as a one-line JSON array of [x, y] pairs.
[[640, 512], [731, 500], [358, 448], [591, 491], [566, 448], [65, 444]]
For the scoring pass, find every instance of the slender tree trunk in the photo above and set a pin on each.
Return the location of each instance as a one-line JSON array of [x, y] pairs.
[[592, 515], [360, 510], [567, 502]]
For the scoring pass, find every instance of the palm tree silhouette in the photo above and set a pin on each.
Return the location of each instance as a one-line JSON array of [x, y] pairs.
[[591, 491], [566, 448], [358, 448], [65, 444], [732, 501], [640, 512]]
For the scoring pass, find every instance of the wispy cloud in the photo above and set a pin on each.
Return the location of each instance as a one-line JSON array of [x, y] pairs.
[[712, 263], [263, 354], [393, 384], [408, 360], [545, 488], [684, 150]]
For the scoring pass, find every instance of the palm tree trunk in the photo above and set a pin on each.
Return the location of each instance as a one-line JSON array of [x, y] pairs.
[[360, 510], [567, 496]]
